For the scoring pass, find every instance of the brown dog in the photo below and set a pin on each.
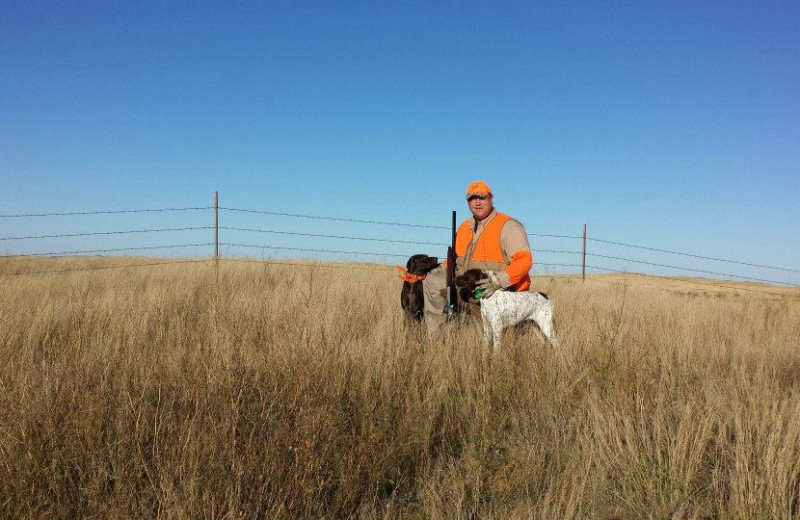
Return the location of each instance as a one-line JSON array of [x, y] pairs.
[[411, 297]]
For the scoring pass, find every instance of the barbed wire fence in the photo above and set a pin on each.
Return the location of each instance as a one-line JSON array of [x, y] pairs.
[[247, 239]]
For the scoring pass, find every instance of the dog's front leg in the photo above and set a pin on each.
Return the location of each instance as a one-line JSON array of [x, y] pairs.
[[545, 322]]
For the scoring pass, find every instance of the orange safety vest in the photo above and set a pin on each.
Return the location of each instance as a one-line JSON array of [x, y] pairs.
[[486, 252]]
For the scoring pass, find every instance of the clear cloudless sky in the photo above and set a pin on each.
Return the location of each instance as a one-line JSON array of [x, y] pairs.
[[671, 124]]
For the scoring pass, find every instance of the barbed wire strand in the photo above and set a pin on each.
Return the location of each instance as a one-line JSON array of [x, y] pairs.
[[337, 219], [691, 281], [107, 250], [655, 249], [309, 264], [366, 239], [552, 235], [598, 240], [337, 251], [689, 269], [309, 250], [104, 212], [627, 282], [543, 264], [646, 286], [112, 250], [332, 251], [387, 268], [365, 221], [127, 232]]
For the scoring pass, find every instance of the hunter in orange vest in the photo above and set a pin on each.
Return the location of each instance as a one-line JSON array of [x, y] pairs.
[[493, 242]]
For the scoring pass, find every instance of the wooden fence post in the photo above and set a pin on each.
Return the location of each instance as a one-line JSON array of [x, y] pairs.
[[216, 226], [583, 256]]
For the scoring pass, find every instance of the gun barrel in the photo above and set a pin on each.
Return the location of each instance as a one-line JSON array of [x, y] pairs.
[[451, 269]]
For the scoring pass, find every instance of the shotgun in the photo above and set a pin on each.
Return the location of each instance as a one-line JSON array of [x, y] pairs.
[[452, 301]]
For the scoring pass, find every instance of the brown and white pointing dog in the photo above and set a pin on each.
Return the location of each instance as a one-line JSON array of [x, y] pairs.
[[506, 308]]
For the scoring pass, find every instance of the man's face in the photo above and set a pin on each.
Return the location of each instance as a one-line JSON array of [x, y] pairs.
[[480, 206]]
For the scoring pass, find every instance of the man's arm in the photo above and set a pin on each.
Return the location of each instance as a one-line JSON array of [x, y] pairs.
[[514, 242]]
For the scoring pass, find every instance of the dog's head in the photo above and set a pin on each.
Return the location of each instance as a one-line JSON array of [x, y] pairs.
[[422, 264], [467, 283]]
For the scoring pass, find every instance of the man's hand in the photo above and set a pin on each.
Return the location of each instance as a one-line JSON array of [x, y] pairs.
[[489, 285]]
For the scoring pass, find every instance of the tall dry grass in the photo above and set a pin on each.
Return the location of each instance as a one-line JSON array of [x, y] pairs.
[[298, 392]]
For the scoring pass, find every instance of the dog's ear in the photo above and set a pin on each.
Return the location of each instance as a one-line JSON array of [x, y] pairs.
[[412, 262], [476, 274], [465, 293]]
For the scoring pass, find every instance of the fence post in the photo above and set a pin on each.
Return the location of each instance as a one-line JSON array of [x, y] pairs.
[[583, 256], [216, 226]]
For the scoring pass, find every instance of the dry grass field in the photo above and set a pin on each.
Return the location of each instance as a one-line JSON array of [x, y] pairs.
[[276, 391]]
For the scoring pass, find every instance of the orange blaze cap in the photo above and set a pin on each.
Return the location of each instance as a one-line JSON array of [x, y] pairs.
[[478, 188]]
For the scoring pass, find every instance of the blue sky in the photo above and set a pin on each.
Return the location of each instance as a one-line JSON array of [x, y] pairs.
[[669, 124]]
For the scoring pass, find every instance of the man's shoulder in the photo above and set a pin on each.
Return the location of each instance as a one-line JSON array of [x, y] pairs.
[[466, 223], [511, 221]]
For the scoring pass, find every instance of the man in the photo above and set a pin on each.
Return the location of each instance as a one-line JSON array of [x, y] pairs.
[[490, 241]]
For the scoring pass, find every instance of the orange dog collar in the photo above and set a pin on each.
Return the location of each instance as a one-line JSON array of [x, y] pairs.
[[409, 277]]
